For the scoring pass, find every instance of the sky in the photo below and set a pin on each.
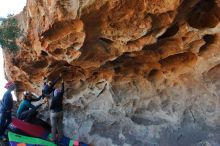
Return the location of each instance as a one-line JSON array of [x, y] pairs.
[[8, 7], [11, 7]]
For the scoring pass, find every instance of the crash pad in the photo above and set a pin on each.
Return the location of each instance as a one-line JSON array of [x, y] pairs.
[[21, 140]]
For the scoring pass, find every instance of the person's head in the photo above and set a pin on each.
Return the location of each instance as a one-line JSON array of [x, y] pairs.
[[10, 85], [27, 95], [56, 92]]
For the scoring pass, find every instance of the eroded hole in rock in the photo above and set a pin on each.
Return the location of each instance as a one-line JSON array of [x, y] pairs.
[[56, 27], [53, 75], [58, 51], [170, 32], [60, 29], [153, 72], [15, 62], [95, 73], [205, 14], [40, 64], [57, 63], [108, 41], [206, 5], [209, 38], [117, 70], [43, 53], [67, 65]]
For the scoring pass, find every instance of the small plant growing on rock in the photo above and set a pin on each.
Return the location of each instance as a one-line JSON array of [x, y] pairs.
[[9, 31]]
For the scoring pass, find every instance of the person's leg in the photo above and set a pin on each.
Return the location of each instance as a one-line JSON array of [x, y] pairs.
[[23, 115], [8, 120], [60, 126], [53, 120], [31, 115], [2, 123], [28, 115]]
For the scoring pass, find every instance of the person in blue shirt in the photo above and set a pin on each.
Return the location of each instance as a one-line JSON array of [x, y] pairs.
[[27, 111], [6, 106]]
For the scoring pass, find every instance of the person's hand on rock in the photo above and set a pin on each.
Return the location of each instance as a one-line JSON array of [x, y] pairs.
[[45, 100]]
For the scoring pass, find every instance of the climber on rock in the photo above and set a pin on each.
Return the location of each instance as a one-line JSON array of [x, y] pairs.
[[48, 87], [26, 110], [56, 113], [6, 106]]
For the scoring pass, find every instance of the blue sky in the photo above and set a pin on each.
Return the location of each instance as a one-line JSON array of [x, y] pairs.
[[8, 7]]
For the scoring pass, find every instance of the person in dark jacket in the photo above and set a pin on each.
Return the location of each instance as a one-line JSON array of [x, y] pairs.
[[6, 106], [48, 87], [27, 111], [56, 113]]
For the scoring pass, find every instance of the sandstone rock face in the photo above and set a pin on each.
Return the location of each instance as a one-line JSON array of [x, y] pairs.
[[137, 72]]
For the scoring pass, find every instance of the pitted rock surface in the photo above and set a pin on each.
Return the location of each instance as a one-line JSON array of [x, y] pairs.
[[137, 72]]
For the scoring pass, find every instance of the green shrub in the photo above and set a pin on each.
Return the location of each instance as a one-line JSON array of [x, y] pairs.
[[9, 31]]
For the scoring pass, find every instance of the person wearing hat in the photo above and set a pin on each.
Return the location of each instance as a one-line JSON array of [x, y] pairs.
[[6, 106], [27, 111], [56, 113]]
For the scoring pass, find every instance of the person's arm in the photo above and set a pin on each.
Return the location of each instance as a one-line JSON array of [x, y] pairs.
[[62, 87], [44, 89], [8, 104], [36, 107], [44, 85], [29, 105], [3, 103], [55, 81], [42, 95], [36, 98]]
